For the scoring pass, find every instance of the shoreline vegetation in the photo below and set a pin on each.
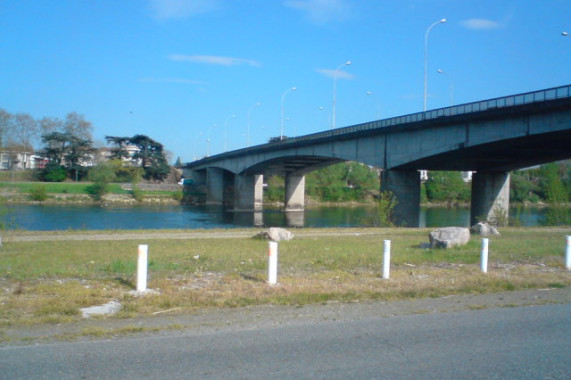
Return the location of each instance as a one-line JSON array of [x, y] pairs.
[[169, 194], [48, 277]]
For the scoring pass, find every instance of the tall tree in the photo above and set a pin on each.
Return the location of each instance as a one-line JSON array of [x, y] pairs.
[[76, 125], [25, 131], [150, 153], [5, 126], [68, 150]]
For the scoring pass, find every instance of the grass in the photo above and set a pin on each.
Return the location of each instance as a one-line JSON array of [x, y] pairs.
[[57, 187], [49, 281]]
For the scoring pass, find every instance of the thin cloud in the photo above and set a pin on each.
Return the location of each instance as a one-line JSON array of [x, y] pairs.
[[171, 80], [167, 9], [480, 24], [214, 60], [340, 74], [320, 12]]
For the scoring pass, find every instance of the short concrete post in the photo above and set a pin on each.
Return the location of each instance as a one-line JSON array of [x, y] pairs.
[[273, 263], [142, 268], [568, 253], [484, 256], [386, 259]]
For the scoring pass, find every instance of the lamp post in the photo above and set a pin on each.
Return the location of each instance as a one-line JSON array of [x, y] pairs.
[[335, 90], [249, 117], [440, 71], [426, 57], [226, 132], [283, 99], [564, 34]]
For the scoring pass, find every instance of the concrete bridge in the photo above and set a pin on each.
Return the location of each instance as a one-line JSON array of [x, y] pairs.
[[490, 137]]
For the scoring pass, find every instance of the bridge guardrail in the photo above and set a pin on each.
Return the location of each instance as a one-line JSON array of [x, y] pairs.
[[483, 105], [502, 102]]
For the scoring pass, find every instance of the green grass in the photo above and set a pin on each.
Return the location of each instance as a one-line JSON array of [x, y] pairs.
[[57, 187], [49, 281]]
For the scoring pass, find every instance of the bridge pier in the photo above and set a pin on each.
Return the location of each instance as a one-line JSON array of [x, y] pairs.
[[248, 192], [294, 192], [490, 197], [405, 185], [214, 186]]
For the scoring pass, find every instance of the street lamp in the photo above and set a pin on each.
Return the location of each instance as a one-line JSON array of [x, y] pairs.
[[564, 34], [249, 112], [426, 57], [440, 71], [283, 99], [335, 90], [226, 132]]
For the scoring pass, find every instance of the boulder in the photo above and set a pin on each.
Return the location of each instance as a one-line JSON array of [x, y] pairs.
[[449, 237], [275, 234], [484, 229]]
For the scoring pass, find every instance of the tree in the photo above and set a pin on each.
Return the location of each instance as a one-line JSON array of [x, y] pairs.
[[25, 131], [150, 153], [448, 187], [76, 125], [6, 120], [68, 150]]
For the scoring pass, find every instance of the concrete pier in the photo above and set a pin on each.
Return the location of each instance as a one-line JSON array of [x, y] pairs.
[[405, 185], [294, 192], [248, 192], [490, 197], [214, 186]]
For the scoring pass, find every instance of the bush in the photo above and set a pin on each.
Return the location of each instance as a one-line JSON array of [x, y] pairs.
[[98, 190], [53, 172], [385, 206], [39, 193]]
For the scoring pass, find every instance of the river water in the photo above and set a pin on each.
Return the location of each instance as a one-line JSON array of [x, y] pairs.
[[58, 217]]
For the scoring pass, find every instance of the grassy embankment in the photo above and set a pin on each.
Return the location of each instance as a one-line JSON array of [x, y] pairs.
[[75, 192], [49, 281]]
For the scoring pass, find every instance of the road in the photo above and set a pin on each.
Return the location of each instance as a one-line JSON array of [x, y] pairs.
[[531, 342]]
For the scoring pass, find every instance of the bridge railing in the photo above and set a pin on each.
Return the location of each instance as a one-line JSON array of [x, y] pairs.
[[502, 102]]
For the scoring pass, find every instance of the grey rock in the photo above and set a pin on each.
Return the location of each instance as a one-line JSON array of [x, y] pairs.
[[484, 229], [449, 237], [275, 234]]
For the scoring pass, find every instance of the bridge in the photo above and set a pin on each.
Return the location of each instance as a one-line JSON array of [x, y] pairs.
[[490, 137]]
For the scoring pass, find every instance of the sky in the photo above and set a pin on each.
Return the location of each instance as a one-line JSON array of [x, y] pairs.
[[197, 75]]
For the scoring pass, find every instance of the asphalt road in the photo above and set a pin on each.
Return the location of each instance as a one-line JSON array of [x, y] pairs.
[[498, 343]]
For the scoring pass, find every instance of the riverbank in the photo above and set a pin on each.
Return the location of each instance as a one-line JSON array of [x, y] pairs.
[[48, 277]]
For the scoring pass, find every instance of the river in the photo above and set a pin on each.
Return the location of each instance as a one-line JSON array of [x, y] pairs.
[[64, 217]]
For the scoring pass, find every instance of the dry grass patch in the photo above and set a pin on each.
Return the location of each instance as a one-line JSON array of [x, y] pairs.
[[48, 282]]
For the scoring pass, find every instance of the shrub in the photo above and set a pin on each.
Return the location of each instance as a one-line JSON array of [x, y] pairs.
[[385, 206], [39, 193], [53, 172]]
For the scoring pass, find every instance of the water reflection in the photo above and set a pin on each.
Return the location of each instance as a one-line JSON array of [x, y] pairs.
[[31, 217]]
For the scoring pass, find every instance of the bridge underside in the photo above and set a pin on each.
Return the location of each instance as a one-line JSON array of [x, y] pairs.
[[503, 156]]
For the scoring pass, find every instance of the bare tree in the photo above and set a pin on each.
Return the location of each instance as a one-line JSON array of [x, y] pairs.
[[49, 125], [76, 125], [25, 131], [6, 120]]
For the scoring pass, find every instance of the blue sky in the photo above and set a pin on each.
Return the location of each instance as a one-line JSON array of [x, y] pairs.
[[187, 71]]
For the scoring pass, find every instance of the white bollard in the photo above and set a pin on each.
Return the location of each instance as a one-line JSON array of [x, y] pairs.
[[273, 263], [386, 259], [568, 253], [484, 255], [142, 268]]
